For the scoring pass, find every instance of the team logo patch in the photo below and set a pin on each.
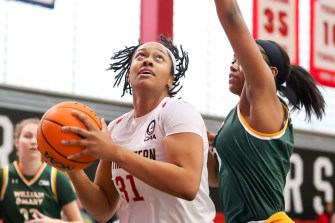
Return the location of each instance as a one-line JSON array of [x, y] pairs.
[[44, 183], [149, 135]]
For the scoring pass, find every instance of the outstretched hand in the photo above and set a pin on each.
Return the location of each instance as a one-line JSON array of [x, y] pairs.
[[96, 142], [41, 218]]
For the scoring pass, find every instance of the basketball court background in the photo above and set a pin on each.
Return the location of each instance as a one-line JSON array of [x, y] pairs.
[[48, 55]]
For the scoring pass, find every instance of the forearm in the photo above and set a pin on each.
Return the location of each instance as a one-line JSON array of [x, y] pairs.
[[167, 177], [92, 197], [232, 22], [228, 12], [258, 76]]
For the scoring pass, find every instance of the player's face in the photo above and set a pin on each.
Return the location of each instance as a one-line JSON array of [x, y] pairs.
[[151, 69], [26, 144], [236, 77]]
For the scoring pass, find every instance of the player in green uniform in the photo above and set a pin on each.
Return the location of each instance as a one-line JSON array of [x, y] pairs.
[[253, 147], [32, 191]]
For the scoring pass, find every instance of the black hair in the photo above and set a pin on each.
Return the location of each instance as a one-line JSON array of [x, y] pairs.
[[123, 59], [301, 88]]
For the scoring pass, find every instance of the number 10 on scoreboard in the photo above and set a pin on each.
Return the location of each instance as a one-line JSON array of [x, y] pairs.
[[322, 57], [277, 20]]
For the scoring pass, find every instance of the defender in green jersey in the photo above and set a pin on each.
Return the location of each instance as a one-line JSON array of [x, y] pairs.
[[30, 189], [252, 150]]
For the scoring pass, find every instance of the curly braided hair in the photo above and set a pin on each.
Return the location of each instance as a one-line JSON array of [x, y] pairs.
[[123, 59]]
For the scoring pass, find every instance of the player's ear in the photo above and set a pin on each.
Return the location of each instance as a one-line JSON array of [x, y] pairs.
[[16, 144], [170, 82], [274, 71]]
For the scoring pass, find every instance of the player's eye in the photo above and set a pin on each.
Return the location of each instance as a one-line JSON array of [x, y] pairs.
[[139, 55], [160, 57]]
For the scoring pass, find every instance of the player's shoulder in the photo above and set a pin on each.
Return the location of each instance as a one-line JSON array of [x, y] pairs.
[[5, 172], [54, 172], [9, 167], [177, 103], [174, 107], [119, 119]]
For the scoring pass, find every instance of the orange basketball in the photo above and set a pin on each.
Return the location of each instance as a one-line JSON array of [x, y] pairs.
[[50, 135]]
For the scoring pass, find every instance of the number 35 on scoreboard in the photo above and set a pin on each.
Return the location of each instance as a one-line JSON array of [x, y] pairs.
[[277, 20]]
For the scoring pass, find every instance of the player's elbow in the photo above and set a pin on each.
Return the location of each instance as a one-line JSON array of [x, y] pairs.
[[189, 197], [102, 219], [103, 215], [190, 192]]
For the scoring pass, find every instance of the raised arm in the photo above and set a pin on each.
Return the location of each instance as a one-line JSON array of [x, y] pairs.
[[259, 103]]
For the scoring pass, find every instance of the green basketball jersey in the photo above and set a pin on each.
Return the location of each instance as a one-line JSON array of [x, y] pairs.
[[47, 191], [252, 168]]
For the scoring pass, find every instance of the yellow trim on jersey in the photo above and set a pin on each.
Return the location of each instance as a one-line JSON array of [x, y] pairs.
[[279, 217], [260, 135], [37, 175], [4, 182], [53, 182]]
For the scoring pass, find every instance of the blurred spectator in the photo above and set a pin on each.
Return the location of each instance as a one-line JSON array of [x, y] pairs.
[[31, 190], [327, 216]]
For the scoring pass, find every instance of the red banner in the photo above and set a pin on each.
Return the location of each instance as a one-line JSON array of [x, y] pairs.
[[322, 56], [156, 19], [277, 20]]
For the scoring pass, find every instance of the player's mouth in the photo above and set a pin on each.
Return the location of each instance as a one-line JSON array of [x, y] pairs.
[[146, 72]]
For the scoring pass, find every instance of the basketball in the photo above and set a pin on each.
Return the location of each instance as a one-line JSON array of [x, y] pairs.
[[50, 135]]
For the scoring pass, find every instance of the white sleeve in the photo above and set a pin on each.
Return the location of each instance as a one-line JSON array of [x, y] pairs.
[[111, 125], [179, 116]]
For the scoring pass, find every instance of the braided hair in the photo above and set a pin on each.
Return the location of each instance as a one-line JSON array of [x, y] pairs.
[[123, 59]]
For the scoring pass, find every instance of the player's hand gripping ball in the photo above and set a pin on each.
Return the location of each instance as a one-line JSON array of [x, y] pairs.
[[50, 135]]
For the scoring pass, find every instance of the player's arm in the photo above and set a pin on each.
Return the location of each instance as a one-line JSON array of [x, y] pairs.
[[100, 198], [183, 144], [261, 101], [257, 73], [179, 176], [212, 172]]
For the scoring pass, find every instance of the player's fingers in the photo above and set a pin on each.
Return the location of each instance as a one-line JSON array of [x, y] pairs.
[[80, 142], [79, 154], [84, 118], [104, 125], [76, 130]]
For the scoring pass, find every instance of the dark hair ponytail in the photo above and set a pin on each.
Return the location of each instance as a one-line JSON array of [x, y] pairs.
[[301, 89], [308, 95]]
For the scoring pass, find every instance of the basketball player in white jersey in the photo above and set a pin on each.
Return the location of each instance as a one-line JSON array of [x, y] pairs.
[[152, 159]]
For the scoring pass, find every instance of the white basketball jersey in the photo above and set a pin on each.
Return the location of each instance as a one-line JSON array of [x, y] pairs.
[[141, 202]]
